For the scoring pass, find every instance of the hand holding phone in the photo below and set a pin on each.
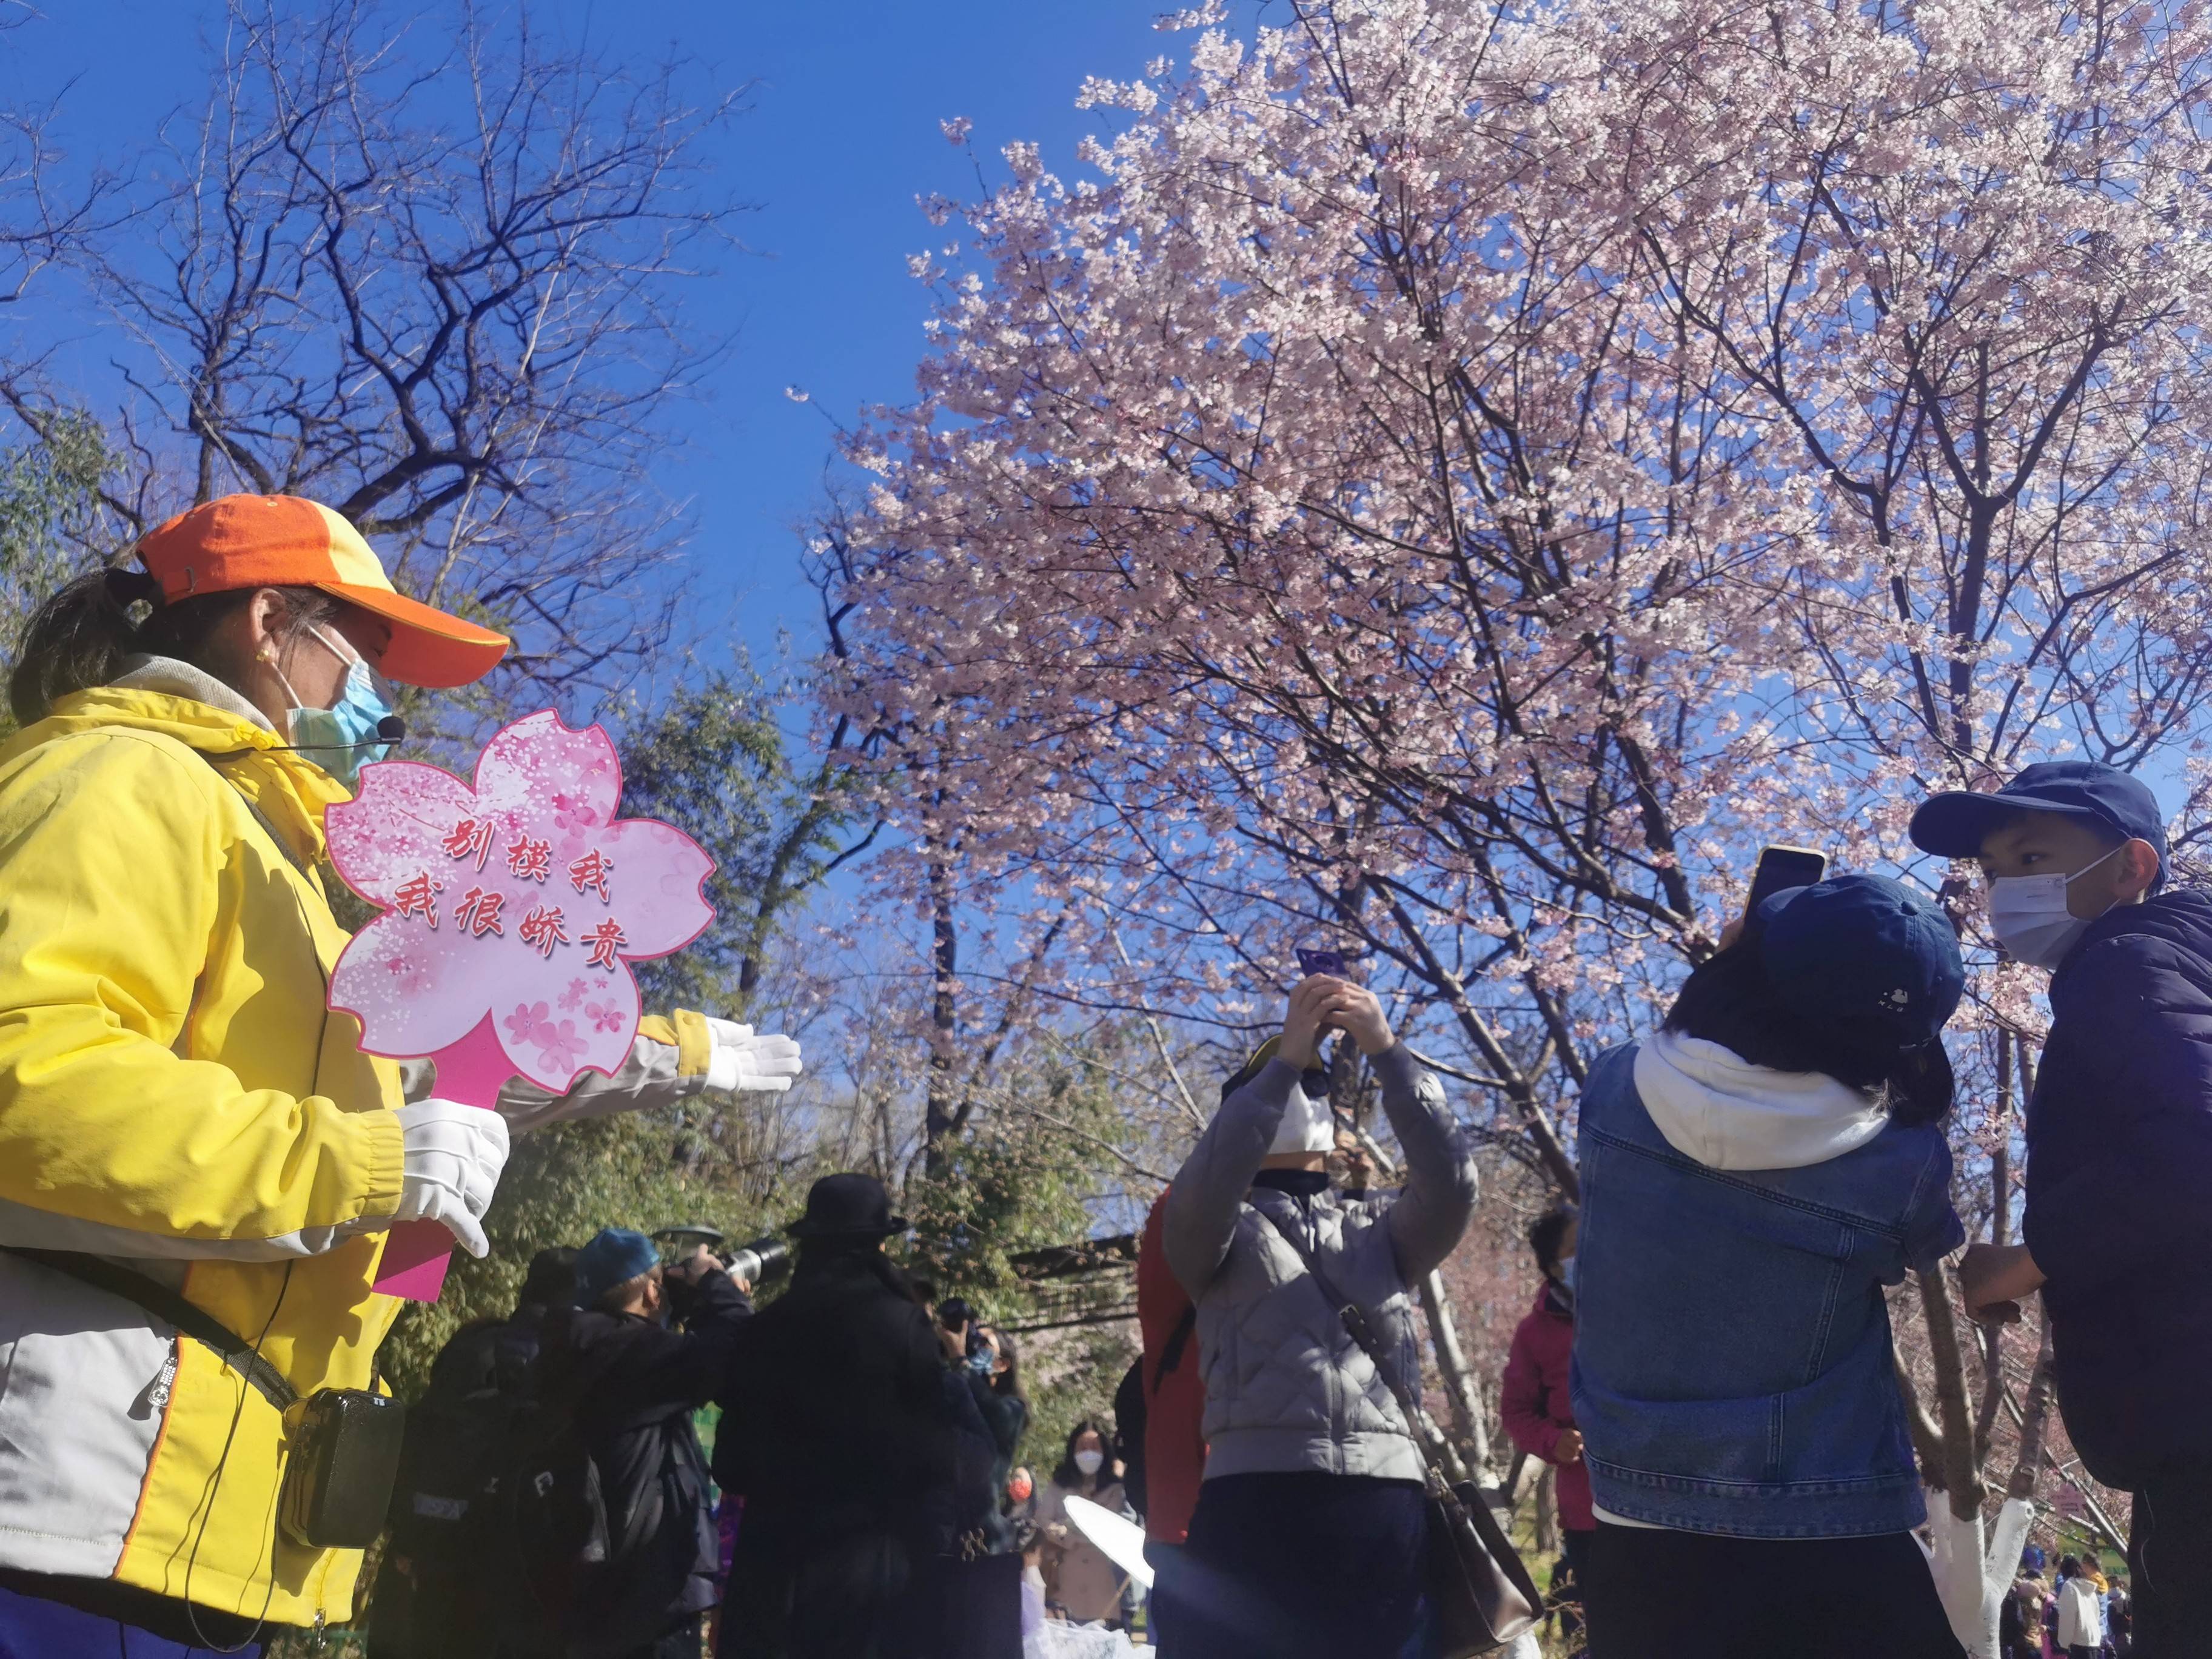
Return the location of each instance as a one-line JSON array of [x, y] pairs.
[[1781, 868]]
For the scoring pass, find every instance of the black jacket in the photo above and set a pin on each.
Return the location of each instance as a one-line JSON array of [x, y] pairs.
[[631, 1384], [2119, 1186], [837, 1414], [1005, 1418]]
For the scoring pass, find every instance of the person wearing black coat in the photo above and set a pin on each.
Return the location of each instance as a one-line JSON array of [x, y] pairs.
[[2117, 1219], [838, 1429], [437, 1597], [993, 1377], [631, 1383]]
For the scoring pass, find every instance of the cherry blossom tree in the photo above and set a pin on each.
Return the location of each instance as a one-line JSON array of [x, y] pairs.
[[1450, 481]]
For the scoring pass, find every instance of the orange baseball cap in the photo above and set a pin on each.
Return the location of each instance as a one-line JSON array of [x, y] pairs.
[[287, 541]]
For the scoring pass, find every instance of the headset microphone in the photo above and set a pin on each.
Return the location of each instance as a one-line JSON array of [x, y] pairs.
[[389, 730]]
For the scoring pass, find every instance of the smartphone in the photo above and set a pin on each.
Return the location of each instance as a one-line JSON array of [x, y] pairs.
[[1780, 869], [1320, 961]]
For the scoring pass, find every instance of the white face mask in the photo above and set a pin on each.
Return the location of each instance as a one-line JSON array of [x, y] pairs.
[[1308, 1125], [2029, 916], [1090, 1461]]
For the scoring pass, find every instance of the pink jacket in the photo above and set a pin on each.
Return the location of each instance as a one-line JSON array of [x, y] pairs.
[[1534, 1401]]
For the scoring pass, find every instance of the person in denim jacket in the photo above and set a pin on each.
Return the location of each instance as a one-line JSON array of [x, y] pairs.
[[1752, 1176]]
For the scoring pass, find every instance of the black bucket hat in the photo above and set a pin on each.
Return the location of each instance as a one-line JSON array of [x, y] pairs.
[[851, 1206]]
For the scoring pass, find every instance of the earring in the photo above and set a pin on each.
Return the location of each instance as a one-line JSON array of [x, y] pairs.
[[264, 655]]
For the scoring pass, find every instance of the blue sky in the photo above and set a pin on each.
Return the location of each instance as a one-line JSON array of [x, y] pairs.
[[841, 137]]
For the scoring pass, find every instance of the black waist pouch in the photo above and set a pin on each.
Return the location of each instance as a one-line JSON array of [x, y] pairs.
[[341, 1460], [341, 1445]]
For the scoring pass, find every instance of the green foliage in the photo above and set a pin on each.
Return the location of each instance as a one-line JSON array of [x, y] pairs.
[[713, 763], [1019, 1180], [1028, 1175], [562, 1185], [49, 506]]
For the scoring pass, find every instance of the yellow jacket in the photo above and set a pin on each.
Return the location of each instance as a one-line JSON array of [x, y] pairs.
[[173, 1095]]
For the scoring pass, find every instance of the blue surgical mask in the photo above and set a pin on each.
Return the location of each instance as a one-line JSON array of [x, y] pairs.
[[1567, 1275], [343, 739]]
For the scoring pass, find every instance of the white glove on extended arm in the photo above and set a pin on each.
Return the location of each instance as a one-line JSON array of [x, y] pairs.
[[749, 1062], [450, 1167]]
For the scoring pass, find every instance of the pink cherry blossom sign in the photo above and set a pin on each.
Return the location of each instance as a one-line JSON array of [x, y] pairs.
[[510, 912]]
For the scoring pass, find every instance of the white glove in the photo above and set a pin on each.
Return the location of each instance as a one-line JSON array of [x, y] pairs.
[[450, 1167], [742, 1060]]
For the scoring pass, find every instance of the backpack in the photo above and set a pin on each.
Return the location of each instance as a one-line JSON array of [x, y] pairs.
[[1132, 1409], [480, 1388], [432, 1597], [549, 1520]]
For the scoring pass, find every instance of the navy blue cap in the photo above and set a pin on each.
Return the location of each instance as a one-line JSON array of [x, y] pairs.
[[1954, 825], [614, 1256], [1863, 948]]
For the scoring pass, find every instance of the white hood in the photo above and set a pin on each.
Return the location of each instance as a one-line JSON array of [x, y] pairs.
[[175, 678], [1730, 1114]]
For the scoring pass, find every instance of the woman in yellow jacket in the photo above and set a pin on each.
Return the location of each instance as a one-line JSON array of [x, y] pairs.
[[177, 1105]]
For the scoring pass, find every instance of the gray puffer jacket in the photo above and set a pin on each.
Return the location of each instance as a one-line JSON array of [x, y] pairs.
[[1286, 1388]]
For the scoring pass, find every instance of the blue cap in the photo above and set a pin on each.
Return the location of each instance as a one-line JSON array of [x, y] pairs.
[[614, 1256], [1953, 825], [1864, 949]]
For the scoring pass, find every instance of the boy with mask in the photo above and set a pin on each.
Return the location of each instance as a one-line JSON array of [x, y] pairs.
[[2118, 1225]]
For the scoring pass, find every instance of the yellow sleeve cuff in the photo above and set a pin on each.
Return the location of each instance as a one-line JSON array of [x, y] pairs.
[[694, 1042], [387, 1161]]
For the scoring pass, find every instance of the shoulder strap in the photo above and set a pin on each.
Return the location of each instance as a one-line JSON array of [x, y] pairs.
[[1354, 1319], [164, 1303]]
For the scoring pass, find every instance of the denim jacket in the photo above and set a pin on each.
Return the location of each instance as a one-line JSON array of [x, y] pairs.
[[1732, 1370]]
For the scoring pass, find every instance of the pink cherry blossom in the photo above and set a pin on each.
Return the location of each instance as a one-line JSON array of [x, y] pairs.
[[560, 1047], [532, 773], [1455, 484]]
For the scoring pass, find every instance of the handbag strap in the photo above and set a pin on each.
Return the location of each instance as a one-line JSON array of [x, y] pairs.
[[158, 1299], [1354, 1320]]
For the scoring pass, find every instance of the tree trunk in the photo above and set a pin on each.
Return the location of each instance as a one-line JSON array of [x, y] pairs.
[[1462, 1391], [945, 962], [1961, 1473], [2034, 1423], [1547, 1512]]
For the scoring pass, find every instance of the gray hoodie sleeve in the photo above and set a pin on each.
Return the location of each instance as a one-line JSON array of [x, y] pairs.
[[1210, 1188], [1427, 1217]]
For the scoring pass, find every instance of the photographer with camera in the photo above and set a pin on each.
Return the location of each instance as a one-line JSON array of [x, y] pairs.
[[1311, 1525], [987, 1365], [616, 1368]]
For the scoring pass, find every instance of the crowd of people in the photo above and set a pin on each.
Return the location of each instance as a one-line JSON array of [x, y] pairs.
[[198, 1167]]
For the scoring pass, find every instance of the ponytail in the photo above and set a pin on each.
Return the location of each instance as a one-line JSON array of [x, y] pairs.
[[1921, 1084], [78, 638]]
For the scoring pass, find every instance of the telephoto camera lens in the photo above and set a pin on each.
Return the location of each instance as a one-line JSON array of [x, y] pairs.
[[762, 1259]]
